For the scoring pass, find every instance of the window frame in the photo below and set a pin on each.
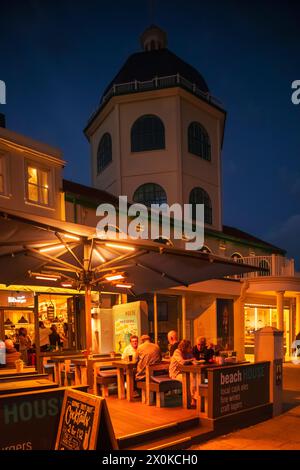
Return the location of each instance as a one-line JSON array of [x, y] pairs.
[[39, 168], [208, 210], [5, 173], [203, 141], [152, 202], [138, 137], [99, 168]]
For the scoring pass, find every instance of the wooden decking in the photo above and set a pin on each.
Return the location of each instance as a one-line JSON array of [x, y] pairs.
[[142, 427], [134, 417]]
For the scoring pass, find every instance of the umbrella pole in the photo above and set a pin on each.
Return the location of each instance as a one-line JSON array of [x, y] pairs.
[[155, 318], [183, 312], [88, 318]]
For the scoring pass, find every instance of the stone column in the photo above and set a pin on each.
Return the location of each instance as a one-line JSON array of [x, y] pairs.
[[280, 308]]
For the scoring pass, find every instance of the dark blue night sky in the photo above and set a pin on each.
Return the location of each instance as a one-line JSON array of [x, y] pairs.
[[57, 57]]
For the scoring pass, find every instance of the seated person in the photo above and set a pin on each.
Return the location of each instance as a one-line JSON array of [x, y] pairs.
[[148, 354], [131, 349], [11, 353], [172, 342], [202, 350], [181, 356]]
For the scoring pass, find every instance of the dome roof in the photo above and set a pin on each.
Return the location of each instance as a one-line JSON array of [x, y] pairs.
[[147, 65]]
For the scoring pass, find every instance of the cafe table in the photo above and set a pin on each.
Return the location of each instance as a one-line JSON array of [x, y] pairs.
[[125, 367], [199, 372], [60, 363], [7, 371], [26, 386]]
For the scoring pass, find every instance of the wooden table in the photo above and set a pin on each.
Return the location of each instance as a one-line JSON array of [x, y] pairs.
[[6, 371], [125, 367], [86, 373], [22, 377], [63, 362], [198, 371], [26, 386]]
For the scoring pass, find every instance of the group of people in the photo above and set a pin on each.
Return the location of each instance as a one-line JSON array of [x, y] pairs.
[[50, 338], [180, 353], [23, 348]]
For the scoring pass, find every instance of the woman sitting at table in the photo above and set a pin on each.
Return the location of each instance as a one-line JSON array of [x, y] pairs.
[[182, 355]]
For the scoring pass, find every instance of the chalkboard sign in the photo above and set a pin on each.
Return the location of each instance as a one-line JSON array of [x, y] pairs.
[[84, 423]]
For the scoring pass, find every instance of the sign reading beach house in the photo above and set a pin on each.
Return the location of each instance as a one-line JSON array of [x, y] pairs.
[[239, 388]]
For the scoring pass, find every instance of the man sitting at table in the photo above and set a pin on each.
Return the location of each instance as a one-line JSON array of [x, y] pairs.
[[148, 354], [131, 349], [203, 351]]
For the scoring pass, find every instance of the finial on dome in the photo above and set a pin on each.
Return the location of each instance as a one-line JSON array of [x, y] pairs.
[[154, 38]]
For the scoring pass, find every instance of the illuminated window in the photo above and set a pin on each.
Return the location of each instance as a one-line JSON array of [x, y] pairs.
[[199, 141], [37, 185]]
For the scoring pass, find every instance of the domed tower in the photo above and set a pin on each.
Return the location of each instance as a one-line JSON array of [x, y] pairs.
[[157, 133]]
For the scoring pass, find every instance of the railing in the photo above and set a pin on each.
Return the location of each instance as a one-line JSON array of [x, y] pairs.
[[274, 265], [159, 83]]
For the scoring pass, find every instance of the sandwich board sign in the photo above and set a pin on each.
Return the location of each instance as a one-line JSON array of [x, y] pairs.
[[84, 423]]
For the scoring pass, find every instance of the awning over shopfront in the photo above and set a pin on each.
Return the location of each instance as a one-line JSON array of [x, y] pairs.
[[42, 251]]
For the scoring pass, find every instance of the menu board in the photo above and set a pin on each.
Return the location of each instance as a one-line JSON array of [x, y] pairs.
[[84, 423]]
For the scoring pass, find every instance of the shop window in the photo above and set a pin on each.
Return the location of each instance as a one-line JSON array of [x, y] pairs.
[[104, 155], [199, 196], [38, 184], [199, 141], [150, 193], [147, 133]]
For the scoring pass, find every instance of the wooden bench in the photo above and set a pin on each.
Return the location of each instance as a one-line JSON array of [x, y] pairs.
[[157, 384], [104, 379], [100, 373]]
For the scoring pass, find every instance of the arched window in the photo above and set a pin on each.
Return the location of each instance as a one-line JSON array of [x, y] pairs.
[[199, 141], [104, 155], [265, 265], [237, 257], [199, 196], [147, 133], [150, 193], [164, 241], [205, 249]]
